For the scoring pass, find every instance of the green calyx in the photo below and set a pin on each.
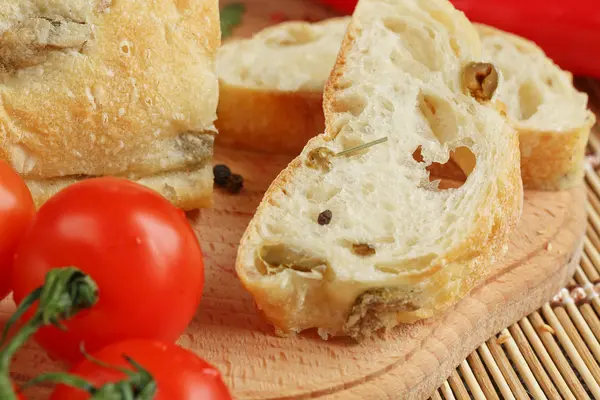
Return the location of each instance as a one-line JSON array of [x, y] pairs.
[[66, 291], [139, 384]]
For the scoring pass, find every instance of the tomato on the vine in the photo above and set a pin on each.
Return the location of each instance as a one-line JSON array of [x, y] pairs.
[[139, 249], [16, 213], [178, 373]]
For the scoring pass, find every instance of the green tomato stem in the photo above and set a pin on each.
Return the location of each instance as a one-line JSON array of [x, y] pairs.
[[60, 377], [139, 384], [66, 291], [6, 388]]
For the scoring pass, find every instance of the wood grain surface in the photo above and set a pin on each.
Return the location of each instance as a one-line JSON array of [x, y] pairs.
[[408, 362]]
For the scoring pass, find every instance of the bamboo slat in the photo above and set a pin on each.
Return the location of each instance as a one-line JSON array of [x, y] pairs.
[[554, 353]]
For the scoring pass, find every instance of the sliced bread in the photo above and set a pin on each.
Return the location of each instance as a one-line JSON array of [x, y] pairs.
[[278, 106], [271, 85], [550, 115], [353, 242]]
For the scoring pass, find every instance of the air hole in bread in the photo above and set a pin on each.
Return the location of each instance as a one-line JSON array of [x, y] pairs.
[[395, 25], [418, 155], [550, 82], [341, 84], [350, 141], [126, 47], [397, 267], [337, 125], [320, 194], [294, 35], [530, 100], [413, 44], [455, 47], [445, 19], [353, 103], [453, 173], [439, 116], [273, 258], [465, 158]]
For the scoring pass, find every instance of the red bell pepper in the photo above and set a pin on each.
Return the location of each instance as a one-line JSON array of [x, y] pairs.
[[567, 30]]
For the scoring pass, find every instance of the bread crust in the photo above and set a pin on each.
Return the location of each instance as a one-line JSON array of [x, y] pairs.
[[291, 306], [134, 95], [267, 120], [554, 160]]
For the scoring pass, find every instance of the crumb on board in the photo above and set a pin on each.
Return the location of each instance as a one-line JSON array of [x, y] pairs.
[[503, 338], [547, 329]]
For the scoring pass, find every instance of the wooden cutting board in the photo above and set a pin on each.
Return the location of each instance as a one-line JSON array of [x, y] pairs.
[[408, 362]]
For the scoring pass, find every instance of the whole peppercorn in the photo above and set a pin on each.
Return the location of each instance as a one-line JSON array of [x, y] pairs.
[[222, 174], [235, 183], [325, 217]]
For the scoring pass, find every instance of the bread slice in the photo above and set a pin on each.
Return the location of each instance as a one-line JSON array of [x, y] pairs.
[[542, 103], [397, 248], [271, 85], [550, 115], [94, 88]]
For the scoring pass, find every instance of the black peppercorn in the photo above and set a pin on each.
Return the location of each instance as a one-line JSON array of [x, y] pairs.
[[235, 183], [325, 217], [222, 174]]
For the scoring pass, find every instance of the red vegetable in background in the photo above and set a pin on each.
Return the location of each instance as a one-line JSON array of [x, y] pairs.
[[16, 213], [568, 31], [138, 248], [178, 373], [343, 6]]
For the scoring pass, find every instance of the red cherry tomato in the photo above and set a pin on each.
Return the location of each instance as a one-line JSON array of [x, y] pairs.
[[138, 247], [343, 6], [178, 373], [568, 31], [16, 213]]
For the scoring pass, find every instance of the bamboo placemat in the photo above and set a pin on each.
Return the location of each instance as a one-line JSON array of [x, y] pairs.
[[554, 353]]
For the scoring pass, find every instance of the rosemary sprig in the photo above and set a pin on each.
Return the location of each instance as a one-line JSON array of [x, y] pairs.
[[362, 147], [66, 291]]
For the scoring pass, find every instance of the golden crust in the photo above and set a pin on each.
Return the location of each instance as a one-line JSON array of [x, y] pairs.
[[554, 160], [267, 120], [123, 102]]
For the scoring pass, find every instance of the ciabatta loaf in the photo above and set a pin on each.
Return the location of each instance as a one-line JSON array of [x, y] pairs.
[[271, 85], [106, 87], [550, 115], [353, 242], [267, 112]]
